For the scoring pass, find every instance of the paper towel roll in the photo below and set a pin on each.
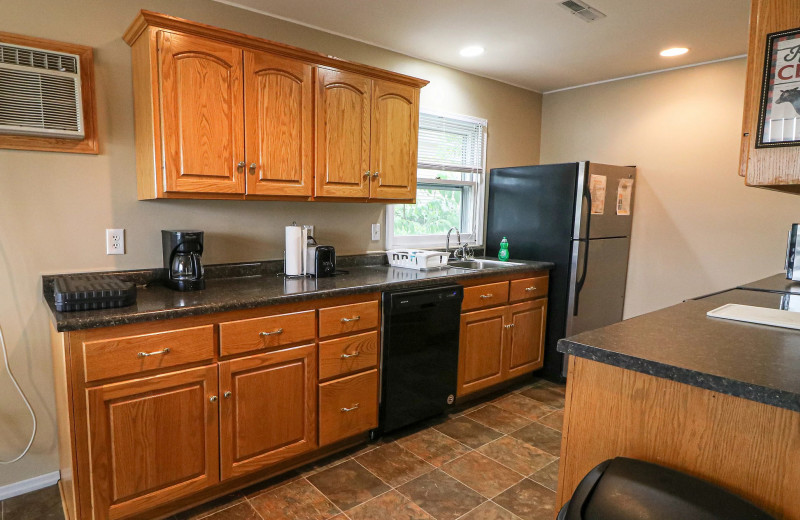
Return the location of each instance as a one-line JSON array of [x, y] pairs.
[[293, 262]]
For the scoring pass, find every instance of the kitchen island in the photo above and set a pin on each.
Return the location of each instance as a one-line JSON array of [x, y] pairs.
[[714, 398]]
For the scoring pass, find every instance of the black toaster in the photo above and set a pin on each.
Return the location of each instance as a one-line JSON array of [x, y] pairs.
[[324, 261]]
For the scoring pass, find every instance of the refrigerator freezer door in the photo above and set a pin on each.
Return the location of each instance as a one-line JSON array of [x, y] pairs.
[[599, 301], [606, 224]]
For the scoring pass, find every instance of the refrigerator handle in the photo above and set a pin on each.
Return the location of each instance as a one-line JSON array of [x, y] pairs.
[[579, 284]]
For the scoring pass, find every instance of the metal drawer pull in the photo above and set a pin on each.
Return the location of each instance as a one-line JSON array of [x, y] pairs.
[[355, 407], [213, 398], [273, 333], [376, 174], [367, 173], [227, 394], [529, 289], [240, 166], [510, 326], [487, 295], [347, 320], [156, 353], [346, 356], [253, 167]]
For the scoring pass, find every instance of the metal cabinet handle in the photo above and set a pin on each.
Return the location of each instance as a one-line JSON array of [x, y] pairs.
[[253, 167], [347, 320], [529, 289], [347, 356], [156, 353], [273, 333], [510, 326], [367, 173], [227, 395], [486, 295], [213, 398], [354, 407], [240, 166], [376, 174]]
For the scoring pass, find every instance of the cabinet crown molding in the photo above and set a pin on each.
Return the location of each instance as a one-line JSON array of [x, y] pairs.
[[147, 19]]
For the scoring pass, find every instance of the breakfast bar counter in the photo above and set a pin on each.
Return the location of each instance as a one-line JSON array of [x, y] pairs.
[[714, 398]]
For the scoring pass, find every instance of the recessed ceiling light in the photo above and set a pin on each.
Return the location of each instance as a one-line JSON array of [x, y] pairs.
[[675, 51], [472, 50]]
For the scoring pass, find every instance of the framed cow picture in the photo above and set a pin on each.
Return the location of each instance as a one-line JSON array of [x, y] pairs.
[[779, 117]]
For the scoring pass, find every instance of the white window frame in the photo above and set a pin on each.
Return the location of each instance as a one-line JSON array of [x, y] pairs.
[[472, 236]]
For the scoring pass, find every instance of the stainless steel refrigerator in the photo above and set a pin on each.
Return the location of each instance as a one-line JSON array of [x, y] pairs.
[[578, 216]]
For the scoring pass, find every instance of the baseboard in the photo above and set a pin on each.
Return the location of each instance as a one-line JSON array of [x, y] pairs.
[[31, 484]]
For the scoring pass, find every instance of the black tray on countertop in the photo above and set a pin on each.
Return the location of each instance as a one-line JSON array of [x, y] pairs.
[[86, 293]]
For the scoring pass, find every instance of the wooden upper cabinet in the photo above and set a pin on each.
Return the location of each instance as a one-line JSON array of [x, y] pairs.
[[393, 156], [525, 346], [153, 440], [775, 167], [269, 409], [201, 110], [224, 115], [279, 113], [343, 119]]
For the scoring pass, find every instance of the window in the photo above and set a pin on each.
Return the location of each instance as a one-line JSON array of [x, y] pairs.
[[450, 184]]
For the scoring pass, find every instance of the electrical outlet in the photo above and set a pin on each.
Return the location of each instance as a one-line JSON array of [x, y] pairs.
[[376, 231], [310, 229], [115, 241]]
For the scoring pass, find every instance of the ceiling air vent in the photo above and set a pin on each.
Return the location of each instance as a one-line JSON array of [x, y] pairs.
[[40, 93], [582, 10]]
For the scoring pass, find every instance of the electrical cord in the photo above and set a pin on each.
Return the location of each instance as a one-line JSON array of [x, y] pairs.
[[24, 398]]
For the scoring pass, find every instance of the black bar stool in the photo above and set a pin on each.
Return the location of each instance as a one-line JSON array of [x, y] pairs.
[[629, 489]]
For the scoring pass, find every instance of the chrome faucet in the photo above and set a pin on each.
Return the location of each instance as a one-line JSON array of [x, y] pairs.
[[447, 242]]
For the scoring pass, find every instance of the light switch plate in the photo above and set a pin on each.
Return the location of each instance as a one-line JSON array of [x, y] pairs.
[[376, 231]]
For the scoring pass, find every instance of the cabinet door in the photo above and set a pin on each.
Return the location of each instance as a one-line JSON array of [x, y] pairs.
[[153, 440], [342, 159], [525, 342], [202, 114], [480, 353], [393, 156], [270, 413], [279, 110]]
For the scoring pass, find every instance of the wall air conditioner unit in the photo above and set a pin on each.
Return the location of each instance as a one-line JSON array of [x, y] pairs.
[[40, 93]]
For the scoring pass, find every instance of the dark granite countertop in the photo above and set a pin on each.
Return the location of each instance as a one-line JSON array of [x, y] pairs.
[[227, 289], [681, 343]]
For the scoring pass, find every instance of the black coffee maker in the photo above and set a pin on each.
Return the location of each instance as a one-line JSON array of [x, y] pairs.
[[182, 251]]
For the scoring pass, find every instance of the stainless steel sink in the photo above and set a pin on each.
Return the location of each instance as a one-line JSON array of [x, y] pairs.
[[481, 264]]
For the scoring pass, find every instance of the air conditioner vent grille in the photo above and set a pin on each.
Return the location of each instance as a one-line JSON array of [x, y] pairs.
[[26, 57], [29, 100], [582, 10]]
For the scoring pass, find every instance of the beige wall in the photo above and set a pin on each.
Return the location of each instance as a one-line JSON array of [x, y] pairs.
[[696, 227], [54, 208]]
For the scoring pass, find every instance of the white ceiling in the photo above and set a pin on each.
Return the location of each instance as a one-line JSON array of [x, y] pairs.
[[535, 44]]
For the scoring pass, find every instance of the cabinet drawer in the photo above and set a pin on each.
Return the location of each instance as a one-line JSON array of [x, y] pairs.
[[528, 288], [265, 333], [115, 357], [484, 295], [348, 318], [349, 354], [348, 406]]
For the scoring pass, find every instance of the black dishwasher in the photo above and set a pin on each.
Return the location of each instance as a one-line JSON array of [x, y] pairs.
[[420, 354]]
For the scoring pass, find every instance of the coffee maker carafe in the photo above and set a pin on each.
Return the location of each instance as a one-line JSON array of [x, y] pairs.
[[182, 251]]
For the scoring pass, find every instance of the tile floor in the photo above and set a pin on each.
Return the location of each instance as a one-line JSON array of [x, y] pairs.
[[494, 460]]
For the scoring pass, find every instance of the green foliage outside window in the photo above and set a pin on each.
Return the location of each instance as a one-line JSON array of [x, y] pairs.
[[436, 211]]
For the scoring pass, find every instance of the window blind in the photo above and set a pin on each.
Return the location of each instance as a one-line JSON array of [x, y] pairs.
[[450, 143]]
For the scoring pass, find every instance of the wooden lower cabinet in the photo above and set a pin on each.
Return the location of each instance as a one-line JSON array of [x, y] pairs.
[[268, 409], [348, 406], [502, 342], [525, 352], [152, 440], [143, 434], [480, 357]]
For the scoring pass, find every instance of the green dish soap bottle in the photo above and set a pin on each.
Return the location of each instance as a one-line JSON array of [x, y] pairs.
[[503, 254]]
